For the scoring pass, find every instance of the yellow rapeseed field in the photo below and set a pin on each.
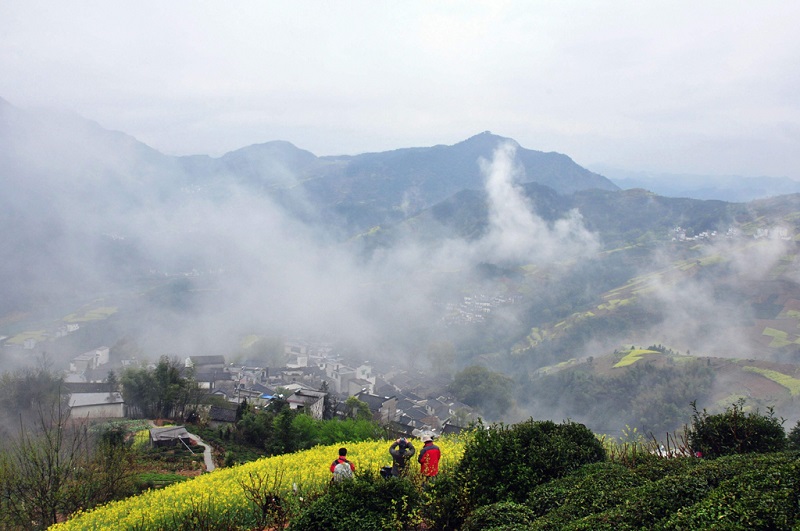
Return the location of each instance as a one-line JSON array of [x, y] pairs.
[[220, 492]]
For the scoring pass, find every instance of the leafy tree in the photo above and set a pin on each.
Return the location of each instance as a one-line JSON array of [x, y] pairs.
[[241, 409], [160, 392], [169, 387], [139, 392], [735, 432], [256, 428], [479, 387], [311, 432], [357, 409], [285, 436]]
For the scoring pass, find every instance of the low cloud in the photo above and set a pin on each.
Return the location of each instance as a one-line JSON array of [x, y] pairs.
[[516, 233]]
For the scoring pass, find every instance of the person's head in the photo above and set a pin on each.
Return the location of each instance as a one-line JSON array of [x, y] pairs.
[[427, 438], [402, 442], [342, 452]]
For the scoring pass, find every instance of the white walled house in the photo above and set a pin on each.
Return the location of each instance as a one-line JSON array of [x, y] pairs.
[[340, 374], [89, 360], [312, 402], [97, 406]]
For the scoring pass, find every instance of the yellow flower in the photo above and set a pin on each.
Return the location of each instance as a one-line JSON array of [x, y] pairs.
[[221, 492]]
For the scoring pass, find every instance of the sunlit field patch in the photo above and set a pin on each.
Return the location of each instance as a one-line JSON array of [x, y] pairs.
[[633, 356], [36, 335], [95, 314]]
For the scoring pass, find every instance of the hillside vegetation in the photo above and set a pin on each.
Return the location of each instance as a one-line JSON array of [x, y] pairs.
[[534, 475], [243, 497]]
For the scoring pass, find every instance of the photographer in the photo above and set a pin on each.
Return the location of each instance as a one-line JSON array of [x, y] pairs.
[[429, 457], [401, 450]]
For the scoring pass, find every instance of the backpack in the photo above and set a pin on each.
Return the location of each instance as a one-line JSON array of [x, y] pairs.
[[342, 471]]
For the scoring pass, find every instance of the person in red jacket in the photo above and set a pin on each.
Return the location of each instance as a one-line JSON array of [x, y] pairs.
[[429, 457], [341, 468]]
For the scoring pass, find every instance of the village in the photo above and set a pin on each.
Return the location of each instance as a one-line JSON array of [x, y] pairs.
[[405, 402]]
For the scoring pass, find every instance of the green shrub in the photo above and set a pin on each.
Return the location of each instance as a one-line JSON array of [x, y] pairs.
[[793, 439], [691, 500], [502, 516], [446, 503], [763, 495], [654, 467], [644, 506], [736, 432], [367, 503], [504, 463], [593, 488]]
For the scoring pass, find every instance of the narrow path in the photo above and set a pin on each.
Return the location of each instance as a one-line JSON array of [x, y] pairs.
[[209, 461]]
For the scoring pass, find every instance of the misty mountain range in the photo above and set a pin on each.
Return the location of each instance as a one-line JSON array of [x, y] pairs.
[[66, 179], [387, 252], [731, 188]]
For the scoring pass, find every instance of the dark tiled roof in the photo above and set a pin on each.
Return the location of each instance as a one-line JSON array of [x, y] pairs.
[[452, 429], [373, 401], [207, 360], [263, 389], [222, 414], [87, 387], [416, 413], [167, 433], [213, 375]]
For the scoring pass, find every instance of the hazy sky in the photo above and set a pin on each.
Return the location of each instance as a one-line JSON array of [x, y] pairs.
[[672, 86]]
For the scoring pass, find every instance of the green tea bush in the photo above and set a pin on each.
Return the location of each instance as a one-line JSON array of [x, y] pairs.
[[642, 507], [501, 516], [793, 439], [736, 432], [504, 463], [654, 467], [593, 488], [656, 502], [763, 495], [368, 503], [446, 503]]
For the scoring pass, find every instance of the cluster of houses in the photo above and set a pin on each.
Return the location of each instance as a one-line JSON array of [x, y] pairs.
[[406, 402], [90, 396], [475, 308], [29, 342], [778, 232]]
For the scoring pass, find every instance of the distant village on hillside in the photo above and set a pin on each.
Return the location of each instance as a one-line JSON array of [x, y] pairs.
[[406, 403]]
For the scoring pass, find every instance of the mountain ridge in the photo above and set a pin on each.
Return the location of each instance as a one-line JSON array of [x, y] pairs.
[[398, 249]]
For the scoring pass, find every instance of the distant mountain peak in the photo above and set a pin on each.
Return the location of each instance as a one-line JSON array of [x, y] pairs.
[[486, 139]]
